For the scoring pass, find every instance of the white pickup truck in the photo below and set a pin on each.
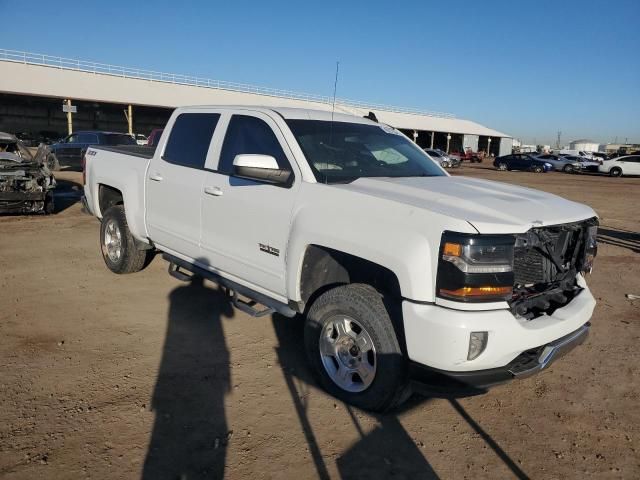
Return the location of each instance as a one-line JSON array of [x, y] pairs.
[[403, 275]]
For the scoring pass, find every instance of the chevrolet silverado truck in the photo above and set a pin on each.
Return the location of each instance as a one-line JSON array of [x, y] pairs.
[[403, 275]]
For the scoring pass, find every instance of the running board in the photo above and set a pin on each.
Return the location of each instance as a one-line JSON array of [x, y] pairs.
[[185, 271]]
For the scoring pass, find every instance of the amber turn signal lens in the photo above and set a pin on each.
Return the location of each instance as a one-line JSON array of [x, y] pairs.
[[452, 249], [466, 292]]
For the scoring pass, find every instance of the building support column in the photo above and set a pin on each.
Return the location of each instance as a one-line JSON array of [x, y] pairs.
[[433, 134], [489, 147], [129, 114], [448, 141], [69, 117], [415, 136]]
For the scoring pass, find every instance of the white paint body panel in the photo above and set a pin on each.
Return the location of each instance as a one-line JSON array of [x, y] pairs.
[[624, 163], [396, 223], [439, 337]]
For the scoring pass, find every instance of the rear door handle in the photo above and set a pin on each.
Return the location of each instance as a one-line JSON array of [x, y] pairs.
[[156, 177], [215, 191]]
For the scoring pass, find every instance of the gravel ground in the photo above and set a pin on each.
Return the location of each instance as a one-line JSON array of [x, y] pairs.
[[106, 376]]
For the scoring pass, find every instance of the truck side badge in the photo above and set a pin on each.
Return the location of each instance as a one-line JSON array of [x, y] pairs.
[[270, 250]]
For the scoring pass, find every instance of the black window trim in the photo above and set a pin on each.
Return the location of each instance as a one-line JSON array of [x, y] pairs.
[[292, 176]]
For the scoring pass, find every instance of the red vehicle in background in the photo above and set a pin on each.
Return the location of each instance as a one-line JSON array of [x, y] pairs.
[[154, 136], [469, 155]]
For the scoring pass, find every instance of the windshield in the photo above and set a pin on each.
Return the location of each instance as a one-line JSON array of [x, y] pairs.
[[342, 152]]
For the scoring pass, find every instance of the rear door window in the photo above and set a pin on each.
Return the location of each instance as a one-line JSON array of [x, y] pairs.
[[250, 135], [189, 139], [89, 138]]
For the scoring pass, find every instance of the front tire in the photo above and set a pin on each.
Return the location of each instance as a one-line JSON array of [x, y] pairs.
[[352, 346], [568, 169], [119, 249], [537, 169], [502, 167]]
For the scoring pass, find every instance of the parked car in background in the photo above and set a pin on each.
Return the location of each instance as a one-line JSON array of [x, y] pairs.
[[70, 150], [578, 153], [445, 160], [599, 156], [154, 137], [522, 161], [140, 139], [586, 164], [627, 165], [560, 163], [469, 155]]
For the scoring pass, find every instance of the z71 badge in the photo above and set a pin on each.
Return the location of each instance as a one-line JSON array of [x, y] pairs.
[[270, 250]]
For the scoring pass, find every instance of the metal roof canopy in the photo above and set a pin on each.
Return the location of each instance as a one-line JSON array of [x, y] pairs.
[[43, 75]]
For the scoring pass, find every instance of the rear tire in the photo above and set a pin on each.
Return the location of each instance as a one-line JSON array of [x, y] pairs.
[[615, 172], [338, 328], [119, 249], [502, 167], [537, 169]]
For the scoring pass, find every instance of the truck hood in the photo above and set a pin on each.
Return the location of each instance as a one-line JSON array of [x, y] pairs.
[[490, 207]]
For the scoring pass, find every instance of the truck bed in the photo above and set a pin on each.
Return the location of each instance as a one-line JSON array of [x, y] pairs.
[[141, 151]]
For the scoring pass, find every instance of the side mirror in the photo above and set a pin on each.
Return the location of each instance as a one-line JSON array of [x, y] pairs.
[[263, 168]]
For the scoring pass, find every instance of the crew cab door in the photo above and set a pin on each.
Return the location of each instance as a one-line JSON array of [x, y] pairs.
[[174, 183], [245, 223]]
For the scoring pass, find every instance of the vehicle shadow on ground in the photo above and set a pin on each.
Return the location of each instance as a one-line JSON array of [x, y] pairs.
[[386, 451], [66, 194], [190, 432], [620, 238]]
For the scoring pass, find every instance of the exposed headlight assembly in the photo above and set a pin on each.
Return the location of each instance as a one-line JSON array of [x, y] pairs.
[[591, 248], [475, 268]]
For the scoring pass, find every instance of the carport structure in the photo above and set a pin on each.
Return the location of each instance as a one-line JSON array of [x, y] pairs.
[[110, 97]]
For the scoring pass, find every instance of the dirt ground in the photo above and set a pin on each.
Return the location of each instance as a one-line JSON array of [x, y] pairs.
[[141, 376]]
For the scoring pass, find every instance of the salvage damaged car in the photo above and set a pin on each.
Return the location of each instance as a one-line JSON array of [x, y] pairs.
[[26, 183]]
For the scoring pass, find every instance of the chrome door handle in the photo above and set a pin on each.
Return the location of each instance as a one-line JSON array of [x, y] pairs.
[[215, 191], [156, 177]]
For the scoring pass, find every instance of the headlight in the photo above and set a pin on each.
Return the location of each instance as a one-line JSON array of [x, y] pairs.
[[591, 248], [548, 164], [475, 268]]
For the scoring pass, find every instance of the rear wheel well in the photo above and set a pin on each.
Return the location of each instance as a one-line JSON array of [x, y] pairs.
[[108, 197]]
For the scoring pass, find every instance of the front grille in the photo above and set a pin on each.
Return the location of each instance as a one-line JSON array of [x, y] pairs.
[[531, 266]]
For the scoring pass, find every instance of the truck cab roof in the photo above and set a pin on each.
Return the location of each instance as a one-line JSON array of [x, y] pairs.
[[289, 113]]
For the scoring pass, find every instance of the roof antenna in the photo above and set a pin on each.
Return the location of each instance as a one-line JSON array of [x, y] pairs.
[[335, 88], [333, 109]]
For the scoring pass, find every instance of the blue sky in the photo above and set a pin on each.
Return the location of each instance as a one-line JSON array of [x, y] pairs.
[[526, 68]]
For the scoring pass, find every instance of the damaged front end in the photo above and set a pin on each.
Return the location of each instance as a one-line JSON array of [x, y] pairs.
[[26, 184], [547, 261]]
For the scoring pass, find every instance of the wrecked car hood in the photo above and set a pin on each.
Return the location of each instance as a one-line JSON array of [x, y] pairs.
[[490, 207]]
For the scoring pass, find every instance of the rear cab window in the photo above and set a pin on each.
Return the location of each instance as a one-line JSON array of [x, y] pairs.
[[189, 139]]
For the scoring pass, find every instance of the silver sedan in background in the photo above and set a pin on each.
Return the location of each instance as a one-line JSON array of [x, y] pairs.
[[445, 160], [564, 164]]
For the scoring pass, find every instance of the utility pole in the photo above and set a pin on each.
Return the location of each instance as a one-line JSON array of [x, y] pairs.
[[558, 140]]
